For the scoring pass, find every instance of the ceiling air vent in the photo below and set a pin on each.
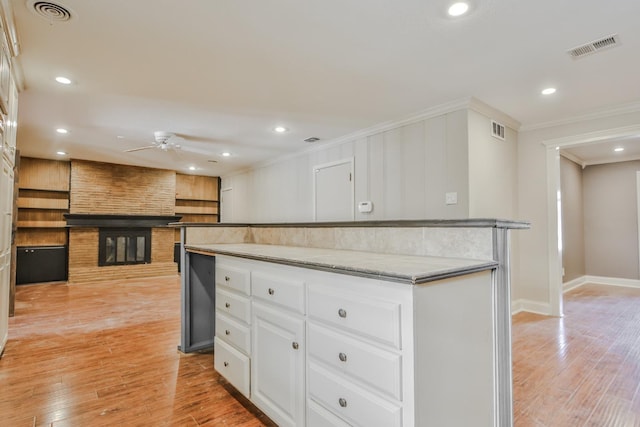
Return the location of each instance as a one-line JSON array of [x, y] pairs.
[[312, 139], [497, 130], [52, 12], [594, 46]]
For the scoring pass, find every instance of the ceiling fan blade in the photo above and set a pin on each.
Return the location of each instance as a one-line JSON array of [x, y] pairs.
[[140, 148]]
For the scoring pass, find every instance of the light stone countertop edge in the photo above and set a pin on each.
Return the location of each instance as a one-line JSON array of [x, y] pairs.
[[406, 269]]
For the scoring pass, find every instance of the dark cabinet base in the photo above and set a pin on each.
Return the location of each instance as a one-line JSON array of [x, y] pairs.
[[35, 264]]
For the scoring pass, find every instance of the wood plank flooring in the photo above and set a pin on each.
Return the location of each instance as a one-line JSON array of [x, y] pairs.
[[105, 354], [583, 369]]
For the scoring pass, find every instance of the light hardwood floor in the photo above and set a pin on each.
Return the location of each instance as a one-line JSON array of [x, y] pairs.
[[582, 369], [104, 354]]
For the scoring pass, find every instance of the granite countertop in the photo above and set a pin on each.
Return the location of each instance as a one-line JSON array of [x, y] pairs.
[[408, 269]]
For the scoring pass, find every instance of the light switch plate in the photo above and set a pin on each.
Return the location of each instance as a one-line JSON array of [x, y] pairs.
[[451, 198]]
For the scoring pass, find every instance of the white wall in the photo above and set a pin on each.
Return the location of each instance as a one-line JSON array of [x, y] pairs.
[[404, 171], [573, 229], [531, 280]]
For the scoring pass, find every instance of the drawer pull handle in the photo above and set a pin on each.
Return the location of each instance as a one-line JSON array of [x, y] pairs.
[[227, 278], [342, 357], [226, 363], [294, 345], [227, 332], [342, 313], [226, 304], [343, 402], [271, 291]]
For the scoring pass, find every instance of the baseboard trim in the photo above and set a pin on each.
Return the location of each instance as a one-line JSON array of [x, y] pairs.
[[613, 281], [573, 284], [520, 305]]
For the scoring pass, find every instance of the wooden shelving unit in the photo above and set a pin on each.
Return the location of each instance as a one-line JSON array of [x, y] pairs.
[[197, 199], [43, 199]]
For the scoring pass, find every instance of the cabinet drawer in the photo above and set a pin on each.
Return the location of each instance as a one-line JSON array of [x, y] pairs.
[[233, 305], [233, 332], [317, 416], [232, 365], [287, 293], [233, 277], [350, 402], [374, 319], [376, 368]]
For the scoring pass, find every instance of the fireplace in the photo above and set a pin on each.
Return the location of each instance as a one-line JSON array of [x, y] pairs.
[[106, 247], [124, 246]]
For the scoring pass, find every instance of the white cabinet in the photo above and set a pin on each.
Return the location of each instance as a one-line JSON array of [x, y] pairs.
[[232, 342], [277, 364], [316, 348]]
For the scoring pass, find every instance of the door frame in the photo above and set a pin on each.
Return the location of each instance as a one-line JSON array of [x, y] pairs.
[[554, 146]]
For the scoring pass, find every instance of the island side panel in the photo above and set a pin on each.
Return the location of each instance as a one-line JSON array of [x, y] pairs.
[[455, 352]]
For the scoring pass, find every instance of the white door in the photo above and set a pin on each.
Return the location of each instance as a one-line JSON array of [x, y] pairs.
[[333, 191], [277, 365]]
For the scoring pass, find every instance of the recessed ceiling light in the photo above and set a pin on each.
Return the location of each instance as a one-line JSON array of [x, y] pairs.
[[63, 80], [226, 154], [192, 168], [61, 153], [119, 136], [280, 129], [458, 9], [549, 91], [62, 130], [618, 149]]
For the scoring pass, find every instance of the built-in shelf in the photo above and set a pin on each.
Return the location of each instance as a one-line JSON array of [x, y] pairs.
[[42, 224], [197, 199], [42, 203]]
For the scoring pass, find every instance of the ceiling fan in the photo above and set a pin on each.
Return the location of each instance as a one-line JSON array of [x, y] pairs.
[[163, 140]]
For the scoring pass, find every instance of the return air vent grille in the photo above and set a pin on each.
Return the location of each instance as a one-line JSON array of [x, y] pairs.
[[497, 130], [594, 46]]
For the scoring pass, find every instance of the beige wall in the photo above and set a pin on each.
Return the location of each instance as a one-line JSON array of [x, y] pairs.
[[493, 176], [611, 221], [573, 260]]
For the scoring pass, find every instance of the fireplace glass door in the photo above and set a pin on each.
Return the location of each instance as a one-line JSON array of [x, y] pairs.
[[124, 246]]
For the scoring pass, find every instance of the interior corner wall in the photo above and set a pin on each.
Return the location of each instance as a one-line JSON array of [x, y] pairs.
[[610, 220], [573, 227], [405, 172], [531, 280], [493, 177]]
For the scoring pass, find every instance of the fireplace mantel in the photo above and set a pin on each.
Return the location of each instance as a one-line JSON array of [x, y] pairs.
[[119, 221]]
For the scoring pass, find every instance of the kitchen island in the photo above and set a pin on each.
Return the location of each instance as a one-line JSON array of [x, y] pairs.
[[322, 336]]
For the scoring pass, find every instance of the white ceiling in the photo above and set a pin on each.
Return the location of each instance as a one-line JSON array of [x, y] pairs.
[[221, 74]]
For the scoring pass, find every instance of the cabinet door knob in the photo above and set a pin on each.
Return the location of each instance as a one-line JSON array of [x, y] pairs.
[[342, 402], [227, 278], [271, 291], [227, 332], [226, 304], [342, 313], [226, 363], [342, 357], [294, 345]]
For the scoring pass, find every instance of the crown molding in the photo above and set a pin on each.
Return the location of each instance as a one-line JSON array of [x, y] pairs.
[[633, 107], [575, 159], [487, 110]]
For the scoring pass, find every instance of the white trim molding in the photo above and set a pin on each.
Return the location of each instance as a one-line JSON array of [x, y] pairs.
[[521, 305], [600, 280]]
